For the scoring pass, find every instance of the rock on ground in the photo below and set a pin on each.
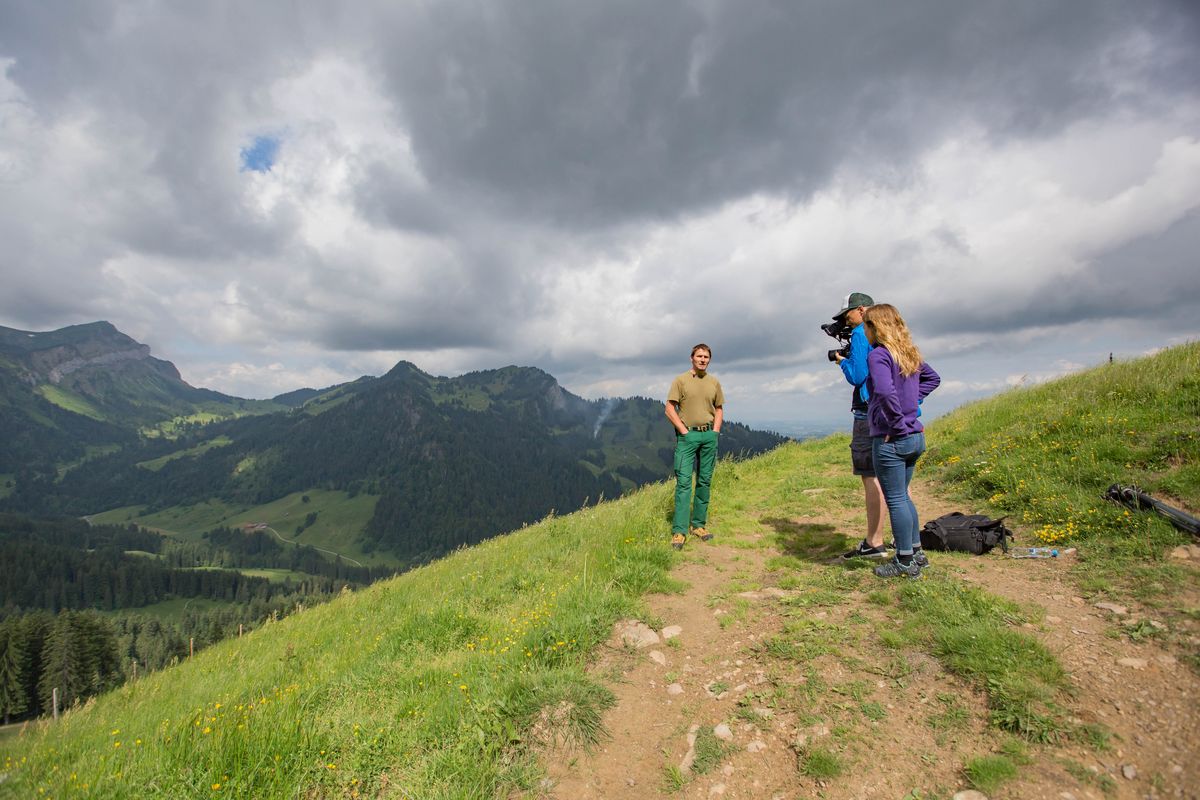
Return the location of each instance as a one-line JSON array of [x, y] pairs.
[[635, 633]]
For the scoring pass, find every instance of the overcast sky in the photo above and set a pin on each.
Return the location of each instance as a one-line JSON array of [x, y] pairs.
[[289, 194]]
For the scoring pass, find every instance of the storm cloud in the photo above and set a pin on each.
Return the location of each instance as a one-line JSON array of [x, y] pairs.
[[593, 187]]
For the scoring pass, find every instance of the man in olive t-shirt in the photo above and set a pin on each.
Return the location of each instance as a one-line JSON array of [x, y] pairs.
[[694, 408]]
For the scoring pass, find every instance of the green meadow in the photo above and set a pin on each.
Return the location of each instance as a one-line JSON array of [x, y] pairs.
[[272, 574], [209, 412], [155, 464], [172, 610], [70, 401], [340, 519], [275, 575]]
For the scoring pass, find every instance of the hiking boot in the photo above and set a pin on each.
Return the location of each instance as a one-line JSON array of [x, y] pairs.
[[865, 550], [894, 569], [677, 540], [701, 534]]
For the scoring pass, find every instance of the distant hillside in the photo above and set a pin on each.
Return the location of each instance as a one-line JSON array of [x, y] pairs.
[[68, 392], [452, 461]]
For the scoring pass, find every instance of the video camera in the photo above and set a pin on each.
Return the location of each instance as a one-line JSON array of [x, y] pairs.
[[839, 330]]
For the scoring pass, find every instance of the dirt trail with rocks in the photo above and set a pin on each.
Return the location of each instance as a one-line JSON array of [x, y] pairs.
[[720, 709]]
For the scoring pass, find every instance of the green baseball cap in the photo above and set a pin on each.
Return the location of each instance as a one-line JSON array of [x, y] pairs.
[[854, 300]]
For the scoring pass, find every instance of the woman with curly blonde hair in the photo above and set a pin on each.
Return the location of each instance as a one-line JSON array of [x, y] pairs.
[[898, 380]]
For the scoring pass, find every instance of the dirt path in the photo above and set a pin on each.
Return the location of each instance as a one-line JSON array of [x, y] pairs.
[[819, 702]]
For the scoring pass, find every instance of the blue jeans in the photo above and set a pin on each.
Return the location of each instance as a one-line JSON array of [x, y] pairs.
[[894, 464]]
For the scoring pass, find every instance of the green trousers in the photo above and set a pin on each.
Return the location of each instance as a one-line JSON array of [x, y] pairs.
[[687, 447]]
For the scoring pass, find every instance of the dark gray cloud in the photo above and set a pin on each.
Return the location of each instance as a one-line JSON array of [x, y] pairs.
[[1151, 281], [1151, 276], [592, 113], [593, 187]]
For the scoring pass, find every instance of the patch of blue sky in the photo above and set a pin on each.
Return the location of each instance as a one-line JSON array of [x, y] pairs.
[[260, 155]]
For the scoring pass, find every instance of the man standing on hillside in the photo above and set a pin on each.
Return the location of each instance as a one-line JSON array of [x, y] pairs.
[[694, 407], [854, 368]]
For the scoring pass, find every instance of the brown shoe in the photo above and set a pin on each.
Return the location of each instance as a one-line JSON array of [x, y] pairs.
[[677, 540], [701, 534]]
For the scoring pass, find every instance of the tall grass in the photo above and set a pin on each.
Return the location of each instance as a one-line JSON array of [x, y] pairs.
[[1044, 455], [439, 682]]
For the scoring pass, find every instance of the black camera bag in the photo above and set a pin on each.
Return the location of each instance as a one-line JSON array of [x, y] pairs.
[[968, 533]]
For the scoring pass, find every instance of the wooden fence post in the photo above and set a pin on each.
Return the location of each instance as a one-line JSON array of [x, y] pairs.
[[55, 697], [191, 646]]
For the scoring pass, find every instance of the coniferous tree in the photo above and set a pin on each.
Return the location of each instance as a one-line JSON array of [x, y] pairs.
[[61, 667], [34, 627], [79, 658], [13, 664]]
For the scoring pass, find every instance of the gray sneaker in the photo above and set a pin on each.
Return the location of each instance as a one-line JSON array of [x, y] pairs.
[[894, 569], [919, 556]]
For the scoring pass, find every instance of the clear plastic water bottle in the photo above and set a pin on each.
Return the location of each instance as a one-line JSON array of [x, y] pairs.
[[1033, 552]]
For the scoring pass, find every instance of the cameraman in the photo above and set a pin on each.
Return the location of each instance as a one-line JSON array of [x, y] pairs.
[[854, 367]]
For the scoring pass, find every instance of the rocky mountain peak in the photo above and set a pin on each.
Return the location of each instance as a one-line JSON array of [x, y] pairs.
[[50, 356]]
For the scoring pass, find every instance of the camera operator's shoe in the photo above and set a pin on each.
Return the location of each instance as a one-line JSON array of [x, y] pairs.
[[701, 534], [894, 569], [677, 540], [865, 550], [919, 556]]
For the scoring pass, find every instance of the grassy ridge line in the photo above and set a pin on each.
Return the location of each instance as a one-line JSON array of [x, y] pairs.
[[1045, 455], [429, 681]]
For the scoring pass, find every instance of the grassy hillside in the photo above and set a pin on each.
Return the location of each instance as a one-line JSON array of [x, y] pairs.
[[429, 680], [69, 401], [442, 680], [1044, 455]]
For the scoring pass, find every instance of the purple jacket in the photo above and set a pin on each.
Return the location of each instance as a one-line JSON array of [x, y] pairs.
[[892, 409]]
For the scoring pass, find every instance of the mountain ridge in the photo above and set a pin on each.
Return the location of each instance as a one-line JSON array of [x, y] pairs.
[[451, 461], [50, 356]]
